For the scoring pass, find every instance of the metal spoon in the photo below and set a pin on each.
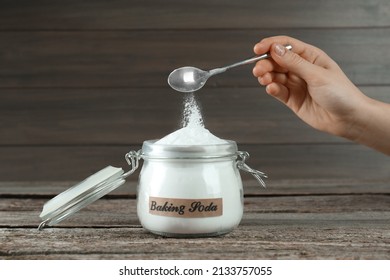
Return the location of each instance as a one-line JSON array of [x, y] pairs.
[[189, 79]]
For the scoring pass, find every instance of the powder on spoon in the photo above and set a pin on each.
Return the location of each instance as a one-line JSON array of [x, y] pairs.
[[193, 131]]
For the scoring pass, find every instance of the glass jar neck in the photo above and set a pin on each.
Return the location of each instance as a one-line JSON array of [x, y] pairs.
[[150, 150]]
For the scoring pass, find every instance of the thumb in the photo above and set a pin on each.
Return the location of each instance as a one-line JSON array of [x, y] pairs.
[[293, 62]]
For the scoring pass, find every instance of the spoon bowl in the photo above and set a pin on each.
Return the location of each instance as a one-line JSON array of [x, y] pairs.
[[190, 79]]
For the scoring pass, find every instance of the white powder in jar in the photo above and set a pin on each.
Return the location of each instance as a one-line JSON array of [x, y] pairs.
[[191, 136], [195, 180], [193, 131]]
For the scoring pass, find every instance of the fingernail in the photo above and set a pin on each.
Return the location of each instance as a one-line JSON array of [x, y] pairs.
[[268, 89], [280, 50]]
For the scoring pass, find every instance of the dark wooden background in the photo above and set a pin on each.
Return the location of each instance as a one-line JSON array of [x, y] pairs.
[[83, 82]]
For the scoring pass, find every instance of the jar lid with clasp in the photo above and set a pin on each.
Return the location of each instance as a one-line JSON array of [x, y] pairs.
[[84, 193]]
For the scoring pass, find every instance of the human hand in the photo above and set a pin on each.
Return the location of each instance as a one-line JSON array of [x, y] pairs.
[[310, 83]]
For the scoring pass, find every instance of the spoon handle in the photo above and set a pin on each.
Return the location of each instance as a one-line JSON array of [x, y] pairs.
[[246, 61]]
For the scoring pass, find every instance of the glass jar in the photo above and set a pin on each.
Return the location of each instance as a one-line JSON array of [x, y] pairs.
[[183, 191], [191, 191]]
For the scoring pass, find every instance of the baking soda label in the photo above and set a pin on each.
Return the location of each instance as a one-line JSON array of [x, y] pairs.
[[185, 208]]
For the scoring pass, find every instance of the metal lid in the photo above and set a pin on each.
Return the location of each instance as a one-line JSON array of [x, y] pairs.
[[84, 193], [159, 151]]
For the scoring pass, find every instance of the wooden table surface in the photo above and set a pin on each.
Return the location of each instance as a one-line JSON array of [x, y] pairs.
[[288, 220]]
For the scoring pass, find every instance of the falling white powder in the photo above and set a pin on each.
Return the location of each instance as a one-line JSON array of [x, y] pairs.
[[192, 116], [193, 131]]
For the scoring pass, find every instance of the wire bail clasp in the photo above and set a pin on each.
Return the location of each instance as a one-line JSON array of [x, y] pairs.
[[132, 159], [244, 167]]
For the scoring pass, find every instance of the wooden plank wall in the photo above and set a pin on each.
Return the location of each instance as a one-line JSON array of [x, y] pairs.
[[83, 82]]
